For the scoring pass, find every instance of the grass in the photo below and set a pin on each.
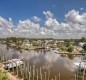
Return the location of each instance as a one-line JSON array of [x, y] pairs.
[[3, 75]]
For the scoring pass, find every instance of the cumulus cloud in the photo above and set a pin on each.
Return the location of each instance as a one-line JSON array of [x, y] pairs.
[[6, 27], [33, 29], [6, 23], [74, 25], [76, 17], [76, 21], [36, 19], [48, 14], [51, 23]]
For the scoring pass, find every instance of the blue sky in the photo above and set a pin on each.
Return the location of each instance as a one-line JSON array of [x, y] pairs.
[[23, 9], [43, 18]]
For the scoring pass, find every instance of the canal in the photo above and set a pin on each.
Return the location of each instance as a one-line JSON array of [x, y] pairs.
[[47, 60]]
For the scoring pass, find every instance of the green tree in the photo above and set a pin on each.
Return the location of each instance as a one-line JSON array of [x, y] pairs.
[[70, 49], [84, 47], [83, 39]]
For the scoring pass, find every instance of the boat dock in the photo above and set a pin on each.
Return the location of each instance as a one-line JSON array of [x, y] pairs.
[[68, 53], [12, 63]]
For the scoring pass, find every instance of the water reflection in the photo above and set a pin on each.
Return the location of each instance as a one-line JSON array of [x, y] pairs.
[[63, 55], [15, 55], [70, 56], [57, 63]]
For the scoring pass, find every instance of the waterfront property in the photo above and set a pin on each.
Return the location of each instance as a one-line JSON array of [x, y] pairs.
[[42, 64]]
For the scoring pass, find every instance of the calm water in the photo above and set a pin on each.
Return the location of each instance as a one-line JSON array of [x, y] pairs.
[[47, 60]]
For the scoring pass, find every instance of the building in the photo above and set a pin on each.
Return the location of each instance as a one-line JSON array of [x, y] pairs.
[[81, 44]]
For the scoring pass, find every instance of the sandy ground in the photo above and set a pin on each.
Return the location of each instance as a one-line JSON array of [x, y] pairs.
[[10, 76]]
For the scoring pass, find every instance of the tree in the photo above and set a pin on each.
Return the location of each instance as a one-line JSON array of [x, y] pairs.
[[76, 42], [67, 43], [84, 47], [83, 39], [70, 49]]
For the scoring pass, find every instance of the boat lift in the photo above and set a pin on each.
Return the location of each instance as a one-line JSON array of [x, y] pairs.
[[81, 68], [12, 63]]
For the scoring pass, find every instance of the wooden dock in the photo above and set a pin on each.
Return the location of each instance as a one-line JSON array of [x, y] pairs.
[[69, 53]]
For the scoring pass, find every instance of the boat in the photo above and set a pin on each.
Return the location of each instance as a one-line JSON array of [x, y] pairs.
[[12, 63], [80, 66]]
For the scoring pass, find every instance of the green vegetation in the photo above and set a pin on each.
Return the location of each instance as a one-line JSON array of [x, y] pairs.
[[83, 39], [3, 75], [65, 45], [84, 47], [70, 49]]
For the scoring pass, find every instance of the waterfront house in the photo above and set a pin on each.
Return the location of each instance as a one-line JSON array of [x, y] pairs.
[[27, 44], [81, 44]]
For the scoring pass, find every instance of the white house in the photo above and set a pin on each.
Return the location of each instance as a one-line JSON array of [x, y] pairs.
[[27, 44], [81, 44]]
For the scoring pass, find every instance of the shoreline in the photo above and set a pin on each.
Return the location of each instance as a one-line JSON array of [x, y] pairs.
[[9, 75]]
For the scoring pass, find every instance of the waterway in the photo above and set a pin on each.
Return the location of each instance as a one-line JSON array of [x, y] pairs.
[[47, 60]]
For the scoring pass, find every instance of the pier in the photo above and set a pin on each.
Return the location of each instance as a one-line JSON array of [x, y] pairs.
[[68, 53]]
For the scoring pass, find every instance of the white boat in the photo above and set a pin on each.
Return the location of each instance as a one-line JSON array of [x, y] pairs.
[[80, 65], [12, 63]]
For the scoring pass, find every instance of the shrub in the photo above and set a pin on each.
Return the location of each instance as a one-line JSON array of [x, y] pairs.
[[3, 75], [84, 47], [70, 49]]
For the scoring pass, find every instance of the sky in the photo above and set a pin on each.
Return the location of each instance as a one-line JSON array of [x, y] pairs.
[[43, 18]]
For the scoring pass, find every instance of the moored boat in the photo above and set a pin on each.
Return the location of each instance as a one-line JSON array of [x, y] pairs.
[[80, 66], [12, 63]]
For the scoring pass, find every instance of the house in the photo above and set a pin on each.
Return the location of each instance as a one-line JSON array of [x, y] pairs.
[[61, 41], [81, 44], [27, 44]]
